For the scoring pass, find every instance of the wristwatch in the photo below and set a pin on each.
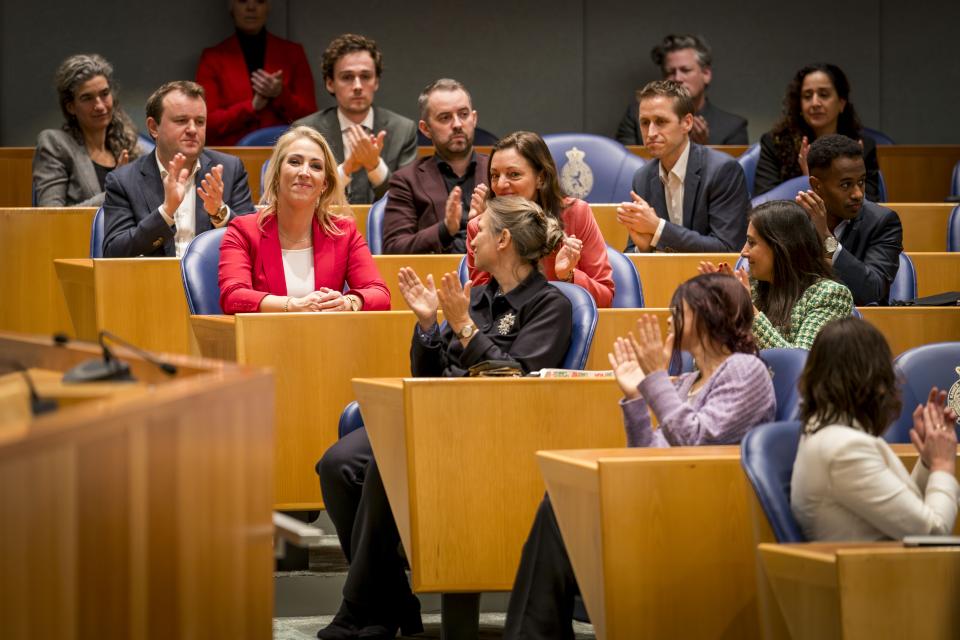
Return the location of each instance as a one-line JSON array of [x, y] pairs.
[[220, 215], [830, 245], [467, 330]]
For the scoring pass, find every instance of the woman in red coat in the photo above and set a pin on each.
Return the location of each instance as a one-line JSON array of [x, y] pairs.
[[253, 79], [521, 165], [296, 254]]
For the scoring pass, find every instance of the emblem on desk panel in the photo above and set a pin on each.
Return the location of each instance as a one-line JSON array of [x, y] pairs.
[[576, 177], [953, 397], [505, 323]]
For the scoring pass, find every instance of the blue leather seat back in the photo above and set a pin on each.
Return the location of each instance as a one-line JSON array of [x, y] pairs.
[[584, 324], [266, 137], [748, 162], [953, 229], [904, 285], [767, 454], [463, 271], [881, 187], [350, 419], [955, 182], [145, 143], [878, 136], [375, 225], [263, 177], [628, 290], [200, 270], [96, 235], [786, 365], [783, 191], [918, 370], [593, 168]]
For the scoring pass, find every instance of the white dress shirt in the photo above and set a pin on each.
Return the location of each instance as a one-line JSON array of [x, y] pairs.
[[673, 192], [379, 173]]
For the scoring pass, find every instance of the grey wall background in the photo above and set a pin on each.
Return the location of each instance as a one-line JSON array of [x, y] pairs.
[[569, 65]]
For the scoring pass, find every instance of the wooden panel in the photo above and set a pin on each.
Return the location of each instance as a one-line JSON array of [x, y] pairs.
[[467, 535], [437, 264], [918, 173], [614, 233], [314, 356], [16, 167], [908, 327], [140, 516], [30, 240], [735, 150], [430, 150], [360, 212], [252, 159], [614, 323], [924, 225], [76, 282], [936, 272], [662, 273]]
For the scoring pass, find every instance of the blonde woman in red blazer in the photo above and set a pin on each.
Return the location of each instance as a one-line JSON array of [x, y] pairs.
[[265, 258], [276, 90]]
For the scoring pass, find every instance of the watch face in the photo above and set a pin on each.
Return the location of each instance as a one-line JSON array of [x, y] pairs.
[[830, 244], [467, 331]]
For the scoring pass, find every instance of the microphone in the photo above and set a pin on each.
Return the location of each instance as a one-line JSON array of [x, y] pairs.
[[38, 405], [111, 367]]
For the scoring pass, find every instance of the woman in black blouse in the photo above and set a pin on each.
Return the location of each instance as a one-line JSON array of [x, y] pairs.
[[516, 316]]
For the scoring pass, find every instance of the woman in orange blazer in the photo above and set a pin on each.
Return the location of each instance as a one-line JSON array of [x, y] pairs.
[[296, 254], [253, 79]]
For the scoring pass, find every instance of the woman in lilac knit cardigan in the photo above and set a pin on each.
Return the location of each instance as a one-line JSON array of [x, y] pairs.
[[730, 393]]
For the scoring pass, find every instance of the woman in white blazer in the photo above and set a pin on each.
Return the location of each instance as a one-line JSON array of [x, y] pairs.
[[847, 483]]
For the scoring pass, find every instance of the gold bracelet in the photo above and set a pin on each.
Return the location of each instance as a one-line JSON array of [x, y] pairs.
[[286, 305]]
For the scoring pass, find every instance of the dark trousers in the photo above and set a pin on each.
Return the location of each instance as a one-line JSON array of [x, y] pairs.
[[541, 603], [357, 503]]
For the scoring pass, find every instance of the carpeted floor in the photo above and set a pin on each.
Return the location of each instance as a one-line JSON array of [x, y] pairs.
[[491, 628]]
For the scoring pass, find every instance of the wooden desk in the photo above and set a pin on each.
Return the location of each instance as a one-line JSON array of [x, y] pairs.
[[903, 327], [360, 212], [936, 272], [313, 356], [30, 240], [918, 172], [16, 167], [463, 485], [735, 150], [865, 591], [143, 513], [437, 264], [139, 299], [252, 159]]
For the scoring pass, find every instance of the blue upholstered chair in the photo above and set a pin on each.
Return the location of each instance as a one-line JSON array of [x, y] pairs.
[[263, 177], [96, 235], [904, 285], [375, 225], [767, 453], [628, 292], [593, 168], [145, 143], [953, 230], [955, 181], [350, 419], [920, 369], [783, 191], [199, 268], [748, 162], [878, 136], [786, 365], [463, 271], [881, 187], [584, 324], [481, 138], [266, 137]]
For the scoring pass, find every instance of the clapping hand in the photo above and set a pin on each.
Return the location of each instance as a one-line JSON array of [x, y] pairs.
[[364, 149], [478, 201], [626, 367], [175, 183], [211, 190], [653, 352], [934, 433], [700, 133], [455, 301], [802, 156], [421, 298], [568, 257], [454, 211]]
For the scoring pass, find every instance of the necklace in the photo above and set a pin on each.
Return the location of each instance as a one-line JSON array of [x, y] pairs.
[[291, 240]]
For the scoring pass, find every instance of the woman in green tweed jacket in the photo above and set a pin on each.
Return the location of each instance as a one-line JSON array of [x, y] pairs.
[[790, 280]]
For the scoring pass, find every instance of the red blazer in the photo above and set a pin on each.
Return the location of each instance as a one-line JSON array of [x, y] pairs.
[[593, 272], [251, 266], [223, 73]]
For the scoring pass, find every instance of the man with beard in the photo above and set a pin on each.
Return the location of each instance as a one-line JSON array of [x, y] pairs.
[[429, 204]]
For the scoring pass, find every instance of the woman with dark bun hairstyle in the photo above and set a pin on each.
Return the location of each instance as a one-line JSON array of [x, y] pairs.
[[817, 104], [728, 394]]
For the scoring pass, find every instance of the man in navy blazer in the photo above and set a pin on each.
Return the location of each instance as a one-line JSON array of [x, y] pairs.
[[862, 239], [690, 199], [429, 203], [157, 204]]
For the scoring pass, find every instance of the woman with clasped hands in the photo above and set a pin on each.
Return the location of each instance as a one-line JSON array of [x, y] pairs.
[[296, 254], [847, 483], [728, 395]]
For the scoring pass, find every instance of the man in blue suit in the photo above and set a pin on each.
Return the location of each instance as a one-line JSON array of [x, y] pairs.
[[157, 204], [690, 199]]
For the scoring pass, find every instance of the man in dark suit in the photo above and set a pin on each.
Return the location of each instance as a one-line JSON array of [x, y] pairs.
[[688, 59], [863, 239], [155, 205], [689, 198], [369, 142], [429, 205]]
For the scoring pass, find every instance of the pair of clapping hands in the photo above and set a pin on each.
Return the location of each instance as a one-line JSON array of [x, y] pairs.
[[637, 356], [175, 186], [425, 299], [934, 433], [266, 86]]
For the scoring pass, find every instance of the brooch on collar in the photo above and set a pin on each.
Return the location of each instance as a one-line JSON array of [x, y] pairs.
[[505, 323]]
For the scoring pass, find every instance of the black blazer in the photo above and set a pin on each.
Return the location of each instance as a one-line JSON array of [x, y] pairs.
[[715, 203], [725, 127], [870, 257], [132, 222]]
